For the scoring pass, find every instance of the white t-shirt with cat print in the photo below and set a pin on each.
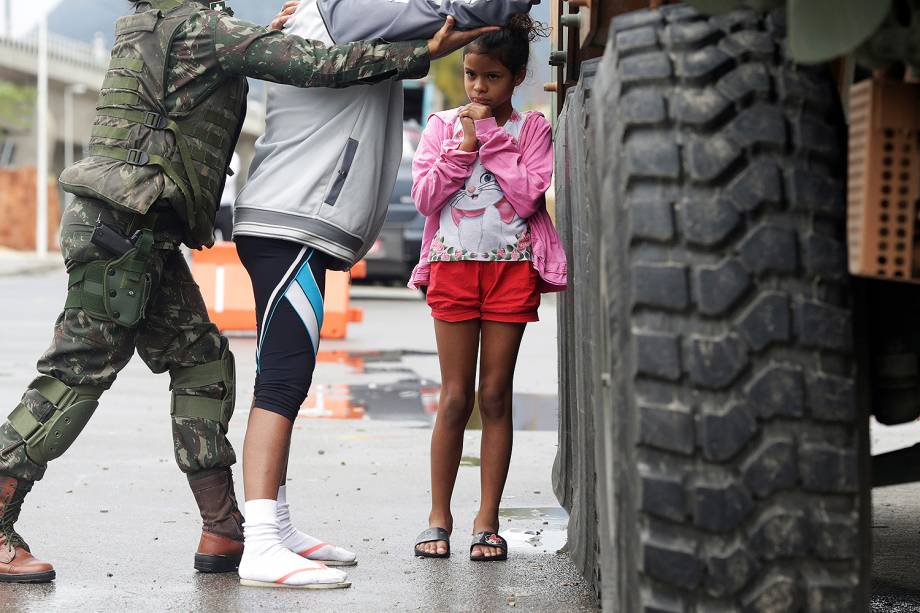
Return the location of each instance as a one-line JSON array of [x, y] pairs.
[[478, 223]]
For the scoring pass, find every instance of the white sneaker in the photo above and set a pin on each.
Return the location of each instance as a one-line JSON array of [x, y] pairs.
[[268, 563], [305, 545]]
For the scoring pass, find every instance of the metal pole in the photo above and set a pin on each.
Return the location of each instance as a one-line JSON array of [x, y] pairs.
[[69, 92], [68, 134], [41, 178]]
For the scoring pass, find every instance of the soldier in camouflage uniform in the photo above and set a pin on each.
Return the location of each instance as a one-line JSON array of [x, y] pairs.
[[169, 115]]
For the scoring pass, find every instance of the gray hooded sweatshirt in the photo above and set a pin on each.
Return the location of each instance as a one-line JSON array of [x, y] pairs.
[[324, 170]]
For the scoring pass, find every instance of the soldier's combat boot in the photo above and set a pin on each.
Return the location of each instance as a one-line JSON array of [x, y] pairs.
[[17, 564], [221, 546]]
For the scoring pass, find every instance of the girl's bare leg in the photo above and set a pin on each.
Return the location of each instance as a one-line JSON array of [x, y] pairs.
[[458, 344], [500, 344]]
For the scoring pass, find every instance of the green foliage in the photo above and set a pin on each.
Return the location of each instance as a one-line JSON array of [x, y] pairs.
[[17, 106], [447, 73]]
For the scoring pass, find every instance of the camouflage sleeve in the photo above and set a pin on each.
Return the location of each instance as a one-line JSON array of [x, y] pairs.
[[249, 50]]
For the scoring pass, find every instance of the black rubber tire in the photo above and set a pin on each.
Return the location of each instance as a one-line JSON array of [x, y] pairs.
[[720, 175]]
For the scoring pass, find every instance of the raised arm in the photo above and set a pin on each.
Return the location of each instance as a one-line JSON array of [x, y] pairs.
[[524, 170], [439, 168], [249, 50], [412, 19], [246, 49]]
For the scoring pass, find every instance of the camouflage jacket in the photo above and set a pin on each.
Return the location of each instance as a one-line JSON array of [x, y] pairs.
[[173, 102], [211, 46]]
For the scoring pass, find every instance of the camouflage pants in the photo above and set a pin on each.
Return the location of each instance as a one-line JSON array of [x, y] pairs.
[[175, 333]]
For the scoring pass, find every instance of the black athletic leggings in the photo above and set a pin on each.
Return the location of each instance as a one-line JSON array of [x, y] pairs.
[[288, 280]]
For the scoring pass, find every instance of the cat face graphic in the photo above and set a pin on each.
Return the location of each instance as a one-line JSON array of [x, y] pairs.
[[480, 191]]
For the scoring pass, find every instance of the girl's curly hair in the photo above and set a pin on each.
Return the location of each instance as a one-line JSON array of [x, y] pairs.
[[511, 44]]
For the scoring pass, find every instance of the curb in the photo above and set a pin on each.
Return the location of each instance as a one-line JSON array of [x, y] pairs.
[[13, 268]]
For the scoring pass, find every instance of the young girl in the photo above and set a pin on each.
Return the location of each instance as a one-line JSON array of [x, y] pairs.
[[489, 250]]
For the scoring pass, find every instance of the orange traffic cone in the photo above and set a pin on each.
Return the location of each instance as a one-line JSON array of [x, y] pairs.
[[227, 292], [226, 287]]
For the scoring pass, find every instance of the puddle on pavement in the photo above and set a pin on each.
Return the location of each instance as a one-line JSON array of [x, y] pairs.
[[382, 387], [534, 528]]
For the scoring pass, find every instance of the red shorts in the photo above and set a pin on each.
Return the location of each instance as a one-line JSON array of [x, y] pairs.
[[491, 291]]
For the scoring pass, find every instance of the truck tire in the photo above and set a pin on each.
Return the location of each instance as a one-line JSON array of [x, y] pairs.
[[738, 471], [580, 457]]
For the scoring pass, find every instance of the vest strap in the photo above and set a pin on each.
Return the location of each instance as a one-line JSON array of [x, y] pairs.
[[146, 118], [135, 157], [110, 132], [118, 82], [113, 98], [170, 169], [188, 163], [126, 63]]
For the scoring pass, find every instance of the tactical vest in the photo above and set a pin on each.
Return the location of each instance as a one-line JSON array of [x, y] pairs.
[[141, 153]]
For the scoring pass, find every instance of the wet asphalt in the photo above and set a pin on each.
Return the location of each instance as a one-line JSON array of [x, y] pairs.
[[116, 517], [896, 531]]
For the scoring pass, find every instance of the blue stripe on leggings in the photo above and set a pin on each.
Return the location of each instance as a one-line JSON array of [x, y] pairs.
[[274, 306]]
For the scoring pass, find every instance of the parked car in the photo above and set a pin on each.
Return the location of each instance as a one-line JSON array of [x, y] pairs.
[[396, 250]]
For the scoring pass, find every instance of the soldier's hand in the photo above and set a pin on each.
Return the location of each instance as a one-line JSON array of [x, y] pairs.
[[286, 11], [447, 40]]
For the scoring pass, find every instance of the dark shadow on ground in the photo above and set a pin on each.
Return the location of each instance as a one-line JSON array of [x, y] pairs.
[[887, 598], [896, 548]]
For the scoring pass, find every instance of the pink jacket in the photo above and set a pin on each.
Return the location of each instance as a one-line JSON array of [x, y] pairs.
[[523, 170]]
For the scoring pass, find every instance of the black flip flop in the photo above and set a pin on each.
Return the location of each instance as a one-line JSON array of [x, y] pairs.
[[489, 539], [428, 536]]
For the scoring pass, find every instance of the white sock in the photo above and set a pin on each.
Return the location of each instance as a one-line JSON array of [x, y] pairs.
[[304, 544], [267, 561]]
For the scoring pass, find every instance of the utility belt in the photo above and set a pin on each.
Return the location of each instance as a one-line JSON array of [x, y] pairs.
[[116, 290]]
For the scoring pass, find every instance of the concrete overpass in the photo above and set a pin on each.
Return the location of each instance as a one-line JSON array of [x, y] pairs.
[[73, 67]]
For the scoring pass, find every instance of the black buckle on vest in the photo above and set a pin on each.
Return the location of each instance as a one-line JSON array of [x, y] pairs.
[[154, 121], [136, 157]]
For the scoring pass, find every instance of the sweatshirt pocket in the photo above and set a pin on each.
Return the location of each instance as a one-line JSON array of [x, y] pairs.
[[351, 148]]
